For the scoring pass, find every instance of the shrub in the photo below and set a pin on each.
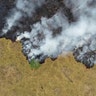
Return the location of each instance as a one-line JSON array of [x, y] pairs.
[[34, 64]]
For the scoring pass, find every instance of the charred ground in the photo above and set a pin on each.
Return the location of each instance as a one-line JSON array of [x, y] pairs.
[[47, 10]]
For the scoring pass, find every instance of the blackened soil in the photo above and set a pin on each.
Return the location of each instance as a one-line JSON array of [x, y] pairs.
[[5, 6], [47, 10]]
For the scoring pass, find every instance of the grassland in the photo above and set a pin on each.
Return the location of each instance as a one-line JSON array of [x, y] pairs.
[[63, 77]]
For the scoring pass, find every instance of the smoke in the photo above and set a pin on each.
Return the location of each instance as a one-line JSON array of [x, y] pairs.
[[22, 9], [52, 36]]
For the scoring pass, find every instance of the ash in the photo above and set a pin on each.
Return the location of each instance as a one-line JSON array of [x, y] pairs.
[[88, 58], [86, 54]]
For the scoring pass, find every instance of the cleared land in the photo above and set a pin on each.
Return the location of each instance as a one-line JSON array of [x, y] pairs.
[[63, 77]]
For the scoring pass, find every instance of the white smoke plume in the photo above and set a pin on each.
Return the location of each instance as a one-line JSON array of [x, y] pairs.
[[22, 8], [49, 37]]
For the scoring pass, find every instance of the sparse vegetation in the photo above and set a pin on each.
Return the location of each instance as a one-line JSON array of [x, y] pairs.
[[34, 64]]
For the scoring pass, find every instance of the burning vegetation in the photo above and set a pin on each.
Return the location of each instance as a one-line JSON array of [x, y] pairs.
[[47, 28]]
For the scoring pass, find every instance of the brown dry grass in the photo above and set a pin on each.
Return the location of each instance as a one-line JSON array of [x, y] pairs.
[[63, 77]]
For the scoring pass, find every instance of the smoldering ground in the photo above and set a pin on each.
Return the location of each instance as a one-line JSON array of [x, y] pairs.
[[47, 28]]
